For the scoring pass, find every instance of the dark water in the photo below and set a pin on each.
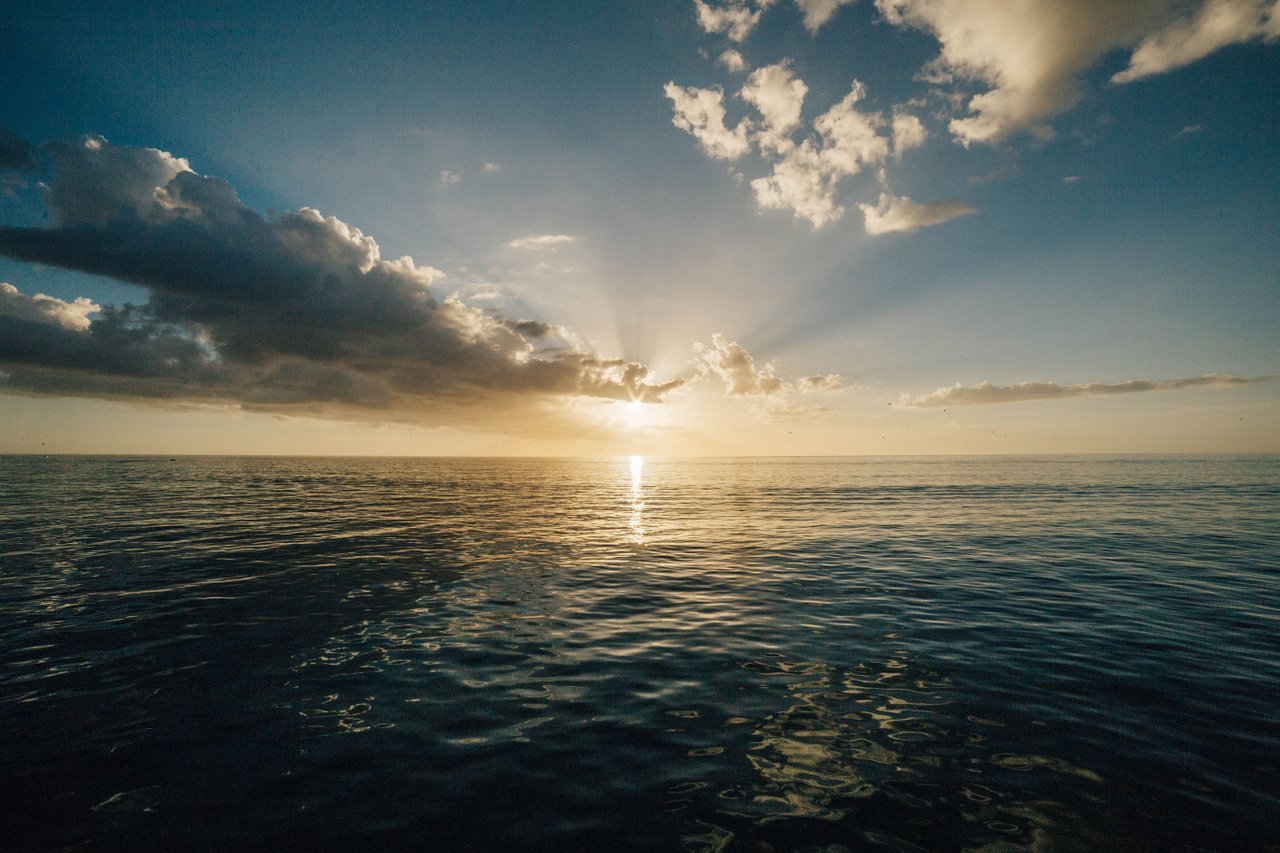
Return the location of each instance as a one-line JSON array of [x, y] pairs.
[[940, 654]]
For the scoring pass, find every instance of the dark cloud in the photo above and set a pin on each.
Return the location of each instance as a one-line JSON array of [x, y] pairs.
[[299, 310], [16, 153]]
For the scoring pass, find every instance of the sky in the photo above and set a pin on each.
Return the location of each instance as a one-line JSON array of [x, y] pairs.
[[670, 227]]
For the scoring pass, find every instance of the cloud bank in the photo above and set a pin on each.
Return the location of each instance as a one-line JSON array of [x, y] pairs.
[[987, 394], [299, 313]]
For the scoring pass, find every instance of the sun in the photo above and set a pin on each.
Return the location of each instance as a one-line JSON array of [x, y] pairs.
[[636, 412]]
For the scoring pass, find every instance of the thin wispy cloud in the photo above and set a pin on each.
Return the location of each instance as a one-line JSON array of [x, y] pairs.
[[542, 241], [985, 393], [899, 213]]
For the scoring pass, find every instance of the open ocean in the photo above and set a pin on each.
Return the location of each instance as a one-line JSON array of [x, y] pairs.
[[997, 654]]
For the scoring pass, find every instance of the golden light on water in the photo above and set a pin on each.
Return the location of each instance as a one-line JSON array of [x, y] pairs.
[[637, 499]]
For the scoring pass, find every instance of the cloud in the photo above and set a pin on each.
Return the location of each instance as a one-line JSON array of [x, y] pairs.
[[447, 178], [778, 94], [1188, 130], [16, 154], [733, 60], [818, 12], [806, 178], [908, 132], [821, 382], [491, 168], [736, 18], [700, 112], [899, 213], [986, 394], [729, 362], [299, 312], [541, 241], [1216, 24], [1031, 53], [46, 309]]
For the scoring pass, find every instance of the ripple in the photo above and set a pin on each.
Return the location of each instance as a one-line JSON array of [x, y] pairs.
[[701, 654]]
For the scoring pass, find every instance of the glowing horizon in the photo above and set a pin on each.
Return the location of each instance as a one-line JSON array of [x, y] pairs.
[[744, 240]]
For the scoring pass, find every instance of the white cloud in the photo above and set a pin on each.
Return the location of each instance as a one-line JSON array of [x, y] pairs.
[[908, 132], [447, 177], [1214, 25], [542, 241], [851, 138], [778, 94], [492, 167], [899, 213], [700, 112], [73, 315], [985, 393], [736, 19], [807, 177], [1031, 53], [818, 12], [1188, 130], [729, 362], [733, 60]]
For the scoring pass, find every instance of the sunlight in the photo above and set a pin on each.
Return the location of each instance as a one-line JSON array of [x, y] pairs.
[[637, 413], [637, 500]]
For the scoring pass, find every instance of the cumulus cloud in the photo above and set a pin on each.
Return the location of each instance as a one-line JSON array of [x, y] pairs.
[[72, 315], [1214, 25], [985, 393], [899, 213], [807, 166], [818, 12], [778, 94], [1031, 53], [16, 154], [735, 18], [541, 241], [733, 60], [730, 363], [908, 132], [296, 311], [806, 178], [700, 112]]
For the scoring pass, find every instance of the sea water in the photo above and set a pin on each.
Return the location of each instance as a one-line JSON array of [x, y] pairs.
[[640, 654]]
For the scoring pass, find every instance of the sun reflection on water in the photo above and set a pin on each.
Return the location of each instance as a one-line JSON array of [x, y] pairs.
[[637, 500]]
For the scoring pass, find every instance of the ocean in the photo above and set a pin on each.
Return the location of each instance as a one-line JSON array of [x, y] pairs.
[[995, 654]]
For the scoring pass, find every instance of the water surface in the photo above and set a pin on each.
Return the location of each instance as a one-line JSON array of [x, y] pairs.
[[880, 654]]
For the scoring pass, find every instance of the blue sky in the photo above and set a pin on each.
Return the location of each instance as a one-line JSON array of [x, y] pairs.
[[1118, 192]]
